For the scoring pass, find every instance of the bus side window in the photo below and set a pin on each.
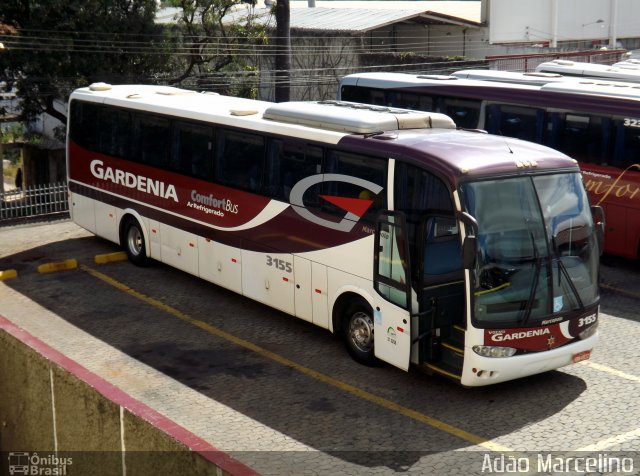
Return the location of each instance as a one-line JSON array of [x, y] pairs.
[[416, 194], [584, 138], [520, 122], [114, 132], [369, 168], [240, 160], [416, 102], [83, 117], [192, 150], [627, 144], [377, 97], [355, 94], [464, 112], [153, 140], [288, 162]]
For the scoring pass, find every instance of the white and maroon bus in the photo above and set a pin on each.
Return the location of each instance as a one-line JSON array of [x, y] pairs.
[[468, 255], [594, 122]]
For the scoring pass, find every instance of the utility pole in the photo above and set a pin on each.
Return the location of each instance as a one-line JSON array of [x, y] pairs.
[[283, 51]]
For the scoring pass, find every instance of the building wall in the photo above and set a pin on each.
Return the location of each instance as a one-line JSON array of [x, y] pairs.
[[532, 20]]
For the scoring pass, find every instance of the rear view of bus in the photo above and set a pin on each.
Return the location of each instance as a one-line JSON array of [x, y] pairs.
[[468, 255]]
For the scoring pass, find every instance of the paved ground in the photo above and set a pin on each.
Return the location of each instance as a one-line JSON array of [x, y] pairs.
[[283, 397]]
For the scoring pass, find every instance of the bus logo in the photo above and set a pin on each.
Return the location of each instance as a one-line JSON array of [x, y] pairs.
[[354, 207], [18, 463]]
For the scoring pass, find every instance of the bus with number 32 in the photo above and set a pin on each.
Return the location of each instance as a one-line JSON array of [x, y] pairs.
[[593, 121], [467, 255]]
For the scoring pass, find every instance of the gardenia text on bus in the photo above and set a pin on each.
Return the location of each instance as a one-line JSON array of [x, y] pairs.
[[133, 181]]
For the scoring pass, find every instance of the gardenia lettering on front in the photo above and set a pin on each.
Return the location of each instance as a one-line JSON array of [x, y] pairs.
[[501, 336], [129, 180]]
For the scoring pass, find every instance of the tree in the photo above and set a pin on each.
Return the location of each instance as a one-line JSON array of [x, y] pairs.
[[218, 45], [62, 45]]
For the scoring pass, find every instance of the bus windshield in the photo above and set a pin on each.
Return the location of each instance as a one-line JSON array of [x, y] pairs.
[[537, 250]]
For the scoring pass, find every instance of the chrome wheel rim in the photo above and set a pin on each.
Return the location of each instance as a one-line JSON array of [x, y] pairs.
[[361, 331], [134, 240]]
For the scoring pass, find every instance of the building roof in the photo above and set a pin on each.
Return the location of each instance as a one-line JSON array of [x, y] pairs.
[[354, 20], [464, 10], [357, 16]]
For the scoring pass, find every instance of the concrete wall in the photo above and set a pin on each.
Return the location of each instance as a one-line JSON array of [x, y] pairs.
[[53, 408], [532, 20]]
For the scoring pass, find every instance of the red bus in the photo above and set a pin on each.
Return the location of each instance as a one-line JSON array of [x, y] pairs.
[[595, 122], [468, 255]]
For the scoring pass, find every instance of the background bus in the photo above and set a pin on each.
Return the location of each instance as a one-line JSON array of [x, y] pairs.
[[594, 122], [469, 255], [622, 71]]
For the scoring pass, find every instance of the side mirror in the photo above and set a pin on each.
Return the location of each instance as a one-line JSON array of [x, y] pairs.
[[597, 212], [469, 252]]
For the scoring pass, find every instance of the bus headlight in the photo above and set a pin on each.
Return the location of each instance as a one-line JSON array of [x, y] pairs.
[[585, 334], [493, 351]]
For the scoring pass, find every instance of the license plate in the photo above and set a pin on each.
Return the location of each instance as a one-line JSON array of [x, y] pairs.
[[580, 356]]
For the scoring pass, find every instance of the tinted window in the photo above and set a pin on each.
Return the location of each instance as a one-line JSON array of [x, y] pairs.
[[627, 144], [584, 138], [193, 150], [417, 194], [288, 163], [114, 132], [514, 121], [465, 113], [84, 117], [417, 102], [153, 140], [364, 167], [240, 160]]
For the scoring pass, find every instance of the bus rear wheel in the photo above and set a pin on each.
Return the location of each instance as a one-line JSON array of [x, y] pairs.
[[133, 241], [358, 333]]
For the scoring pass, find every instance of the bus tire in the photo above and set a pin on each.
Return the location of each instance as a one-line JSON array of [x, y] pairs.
[[133, 242], [358, 333]]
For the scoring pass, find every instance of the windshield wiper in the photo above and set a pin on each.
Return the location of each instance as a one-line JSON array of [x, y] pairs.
[[534, 284], [563, 269]]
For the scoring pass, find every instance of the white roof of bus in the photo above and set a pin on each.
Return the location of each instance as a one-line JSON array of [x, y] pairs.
[[404, 79], [590, 86], [630, 63], [628, 73], [596, 85], [534, 78], [327, 122], [597, 88]]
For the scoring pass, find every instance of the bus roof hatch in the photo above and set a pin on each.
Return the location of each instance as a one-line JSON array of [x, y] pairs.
[[355, 118]]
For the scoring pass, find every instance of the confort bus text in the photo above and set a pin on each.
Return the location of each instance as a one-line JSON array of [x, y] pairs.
[[206, 203]]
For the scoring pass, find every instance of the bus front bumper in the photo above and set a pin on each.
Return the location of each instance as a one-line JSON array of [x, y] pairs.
[[480, 371]]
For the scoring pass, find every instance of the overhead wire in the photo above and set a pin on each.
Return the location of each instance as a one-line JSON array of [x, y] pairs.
[[107, 43]]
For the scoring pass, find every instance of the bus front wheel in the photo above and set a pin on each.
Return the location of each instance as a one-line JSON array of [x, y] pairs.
[[358, 333], [134, 243]]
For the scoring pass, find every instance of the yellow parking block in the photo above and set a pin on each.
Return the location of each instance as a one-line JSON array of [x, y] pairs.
[[111, 257], [8, 274], [58, 266]]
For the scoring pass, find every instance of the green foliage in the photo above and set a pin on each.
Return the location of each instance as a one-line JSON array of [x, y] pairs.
[[62, 45], [221, 54]]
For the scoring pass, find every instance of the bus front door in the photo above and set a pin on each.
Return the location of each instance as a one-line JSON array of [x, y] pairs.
[[392, 325], [441, 324]]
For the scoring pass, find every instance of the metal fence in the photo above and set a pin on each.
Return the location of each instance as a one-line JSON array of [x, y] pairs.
[[528, 62], [33, 201]]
